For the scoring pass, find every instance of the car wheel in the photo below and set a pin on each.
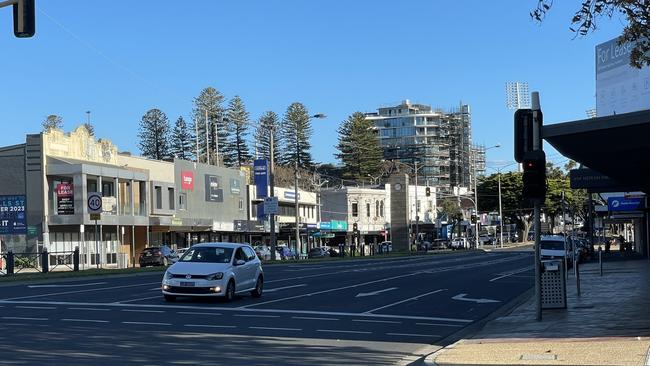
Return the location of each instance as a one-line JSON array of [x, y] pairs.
[[259, 287], [170, 298], [230, 290]]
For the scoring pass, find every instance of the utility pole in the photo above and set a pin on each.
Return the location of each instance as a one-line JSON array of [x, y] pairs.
[[500, 212], [272, 181], [537, 146], [207, 139], [417, 208]]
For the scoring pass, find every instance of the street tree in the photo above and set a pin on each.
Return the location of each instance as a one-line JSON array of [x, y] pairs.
[[449, 210], [209, 121], [237, 153], [154, 135], [359, 149], [637, 22], [296, 132], [183, 143], [268, 124], [52, 122]]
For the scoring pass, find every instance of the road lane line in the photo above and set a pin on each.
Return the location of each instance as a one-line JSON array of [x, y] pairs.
[[196, 313], [512, 273], [440, 325], [414, 335], [89, 309], [36, 307], [342, 331], [77, 291], [23, 318], [258, 316], [84, 320], [283, 288], [209, 326], [143, 311], [145, 323], [312, 318], [376, 321], [405, 300], [274, 328], [70, 285], [140, 299]]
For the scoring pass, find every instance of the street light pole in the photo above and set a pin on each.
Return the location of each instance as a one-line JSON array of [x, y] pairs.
[[417, 210], [272, 182], [500, 211]]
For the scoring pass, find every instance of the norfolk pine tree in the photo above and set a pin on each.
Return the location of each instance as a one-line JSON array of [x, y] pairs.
[[237, 153], [154, 135], [268, 123], [183, 144], [52, 121], [210, 100], [296, 132], [359, 148]]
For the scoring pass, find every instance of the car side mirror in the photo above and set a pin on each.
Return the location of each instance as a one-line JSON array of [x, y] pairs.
[[239, 262]]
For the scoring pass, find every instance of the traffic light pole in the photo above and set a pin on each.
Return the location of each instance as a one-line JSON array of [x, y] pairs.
[[538, 262]]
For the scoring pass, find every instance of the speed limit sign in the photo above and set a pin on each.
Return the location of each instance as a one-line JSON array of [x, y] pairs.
[[94, 203]]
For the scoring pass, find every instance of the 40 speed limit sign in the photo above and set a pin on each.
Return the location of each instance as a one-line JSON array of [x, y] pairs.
[[94, 203]]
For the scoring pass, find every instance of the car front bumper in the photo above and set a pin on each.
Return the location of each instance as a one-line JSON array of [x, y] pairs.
[[199, 288]]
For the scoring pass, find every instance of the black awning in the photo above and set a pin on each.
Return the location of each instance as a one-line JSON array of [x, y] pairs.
[[617, 146]]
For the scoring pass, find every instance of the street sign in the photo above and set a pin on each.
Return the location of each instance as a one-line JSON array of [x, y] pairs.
[[271, 205], [623, 204], [94, 203], [95, 216]]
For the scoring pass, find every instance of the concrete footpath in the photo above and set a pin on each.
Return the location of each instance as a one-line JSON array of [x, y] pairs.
[[609, 324]]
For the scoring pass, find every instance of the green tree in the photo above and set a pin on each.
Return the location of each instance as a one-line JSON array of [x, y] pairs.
[[52, 122], [296, 132], [637, 21], [237, 153], [359, 149], [183, 143], [450, 210], [209, 121], [90, 128], [268, 124], [154, 135]]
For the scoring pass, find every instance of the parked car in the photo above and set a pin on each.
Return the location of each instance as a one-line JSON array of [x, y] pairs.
[[440, 243], [386, 246], [215, 270], [555, 247], [425, 245], [485, 239], [285, 252], [158, 256], [263, 252], [319, 252], [181, 251], [458, 243]]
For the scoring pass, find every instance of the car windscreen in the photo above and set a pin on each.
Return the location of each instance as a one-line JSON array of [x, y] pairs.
[[208, 255], [551, 244]]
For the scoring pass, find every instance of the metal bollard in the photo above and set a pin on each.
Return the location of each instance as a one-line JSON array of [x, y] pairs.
[[45, 261], [600, 259], [10, 262], [75, 259]]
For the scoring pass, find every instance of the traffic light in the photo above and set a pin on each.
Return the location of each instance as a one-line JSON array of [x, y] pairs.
[[24, 18], [534, 177], [474, 219], [355, 227], [427, 191]]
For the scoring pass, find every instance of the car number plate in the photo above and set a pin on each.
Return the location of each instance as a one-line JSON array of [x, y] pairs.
[[148, 254], [187, 284]]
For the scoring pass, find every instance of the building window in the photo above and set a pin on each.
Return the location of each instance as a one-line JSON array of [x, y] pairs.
[[355, 209], [158, 190], [182, 201], [367, 209], [241, 204], [377, 209], [381, 208], [170, 192]]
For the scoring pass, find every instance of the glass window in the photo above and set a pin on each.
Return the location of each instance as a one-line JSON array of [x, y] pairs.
[[158, 190], [381, 209], [250, 254], [355, 209], [170, 191], [377, 209], [241, 204], [207, 255], [367, 209], [182, 201], [239, 255]]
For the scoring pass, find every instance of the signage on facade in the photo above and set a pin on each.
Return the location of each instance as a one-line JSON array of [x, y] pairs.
[[65, 199], [325, 225], [623, 204], [339, 225], [291, 195], [12, 215], [271, 205], [235, 186], [261, 177], [212, 191], [187, 180]]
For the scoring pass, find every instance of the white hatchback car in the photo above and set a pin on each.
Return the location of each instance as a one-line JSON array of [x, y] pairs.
[[214, 269]]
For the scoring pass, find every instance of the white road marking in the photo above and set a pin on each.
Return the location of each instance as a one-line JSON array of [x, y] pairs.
[[439, 325], [511, 273], [283, 288], [312, 318], [140, 299], [71, 285], [405, 300], [272, 328], [209, 326], [342, 331], [154, 289], [258, 316], [363, 294], [143, 311], [37, 307], [78, 291], [376, 321], [414, 335], [197, 313], [145, 323], [84, 320], [227, 309], [22, 318], [89, 309], [461, 297]]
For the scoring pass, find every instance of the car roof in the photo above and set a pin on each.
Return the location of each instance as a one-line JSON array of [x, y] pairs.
[[552, 238], [220, 244]]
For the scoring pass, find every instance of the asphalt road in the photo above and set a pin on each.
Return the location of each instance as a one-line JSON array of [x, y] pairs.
[[383, 311]]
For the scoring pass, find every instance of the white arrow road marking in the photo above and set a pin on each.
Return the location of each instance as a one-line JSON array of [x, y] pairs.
[[283, 288], [462, 297], [363, 294], [73, 285]]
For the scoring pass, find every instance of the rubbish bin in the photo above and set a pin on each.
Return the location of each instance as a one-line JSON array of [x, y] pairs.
[[553, 284]]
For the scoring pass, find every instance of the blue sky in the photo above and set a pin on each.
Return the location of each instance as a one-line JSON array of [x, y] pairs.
[[119, 59]]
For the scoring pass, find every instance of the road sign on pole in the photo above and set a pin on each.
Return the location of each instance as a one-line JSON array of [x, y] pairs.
[[95, 210], [270, 206]]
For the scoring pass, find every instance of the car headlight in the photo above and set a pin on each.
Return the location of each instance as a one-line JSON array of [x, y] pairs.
[[214, 276], [169, 275]]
